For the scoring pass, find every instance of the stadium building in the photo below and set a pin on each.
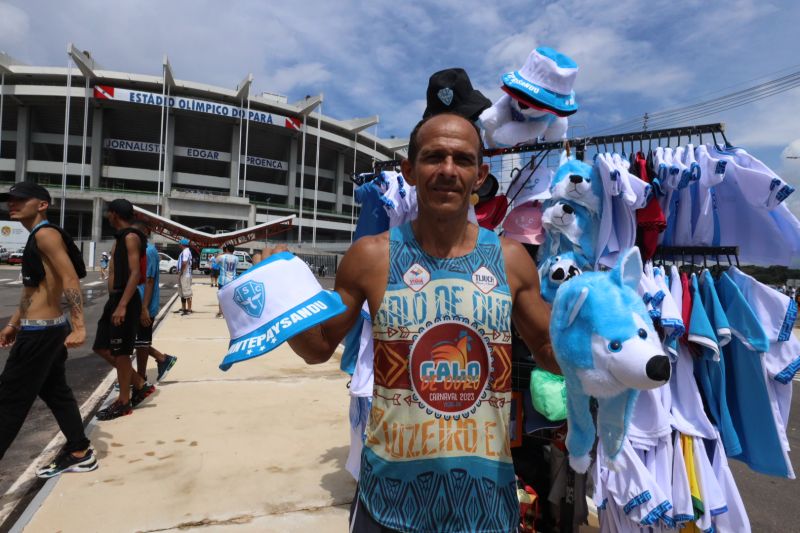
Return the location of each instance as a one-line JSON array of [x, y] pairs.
[[230, 158]]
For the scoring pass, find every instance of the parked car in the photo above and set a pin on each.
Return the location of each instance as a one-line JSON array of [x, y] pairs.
[[245, 261], [167, 264], [15, 258], [4, 255]]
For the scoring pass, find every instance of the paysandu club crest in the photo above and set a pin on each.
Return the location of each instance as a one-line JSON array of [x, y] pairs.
[[250, 297]]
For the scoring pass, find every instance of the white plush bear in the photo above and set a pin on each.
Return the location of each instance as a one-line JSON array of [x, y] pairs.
[[538, 99], [506, 123]]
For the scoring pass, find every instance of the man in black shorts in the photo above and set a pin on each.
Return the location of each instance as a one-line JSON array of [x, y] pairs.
[[40, 333], [117, 327]]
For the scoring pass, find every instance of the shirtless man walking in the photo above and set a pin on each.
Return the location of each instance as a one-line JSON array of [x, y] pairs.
[[40, 334]]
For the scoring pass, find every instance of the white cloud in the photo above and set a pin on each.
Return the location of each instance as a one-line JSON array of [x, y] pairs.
[[14, 25], [303, 74], [764, 122]]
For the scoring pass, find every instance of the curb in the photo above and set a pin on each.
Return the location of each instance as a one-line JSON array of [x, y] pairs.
[[90, 406]]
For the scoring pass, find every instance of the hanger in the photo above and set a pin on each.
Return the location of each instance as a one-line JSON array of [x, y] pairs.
[[727, 144], [716, 270]]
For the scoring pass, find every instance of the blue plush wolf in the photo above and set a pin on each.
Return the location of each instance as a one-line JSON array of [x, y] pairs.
[[607, 348]]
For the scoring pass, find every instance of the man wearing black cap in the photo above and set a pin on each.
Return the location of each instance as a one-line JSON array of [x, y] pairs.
[[40, 333], [117, 327]]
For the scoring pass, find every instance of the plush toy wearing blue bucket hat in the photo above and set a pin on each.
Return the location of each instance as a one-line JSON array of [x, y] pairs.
[[538, 98]]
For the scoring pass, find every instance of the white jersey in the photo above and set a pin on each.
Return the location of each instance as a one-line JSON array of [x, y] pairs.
[[752, 214], [623, 194], [706, 226]]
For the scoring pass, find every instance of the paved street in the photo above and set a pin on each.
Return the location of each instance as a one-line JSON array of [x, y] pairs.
[[84, 369]]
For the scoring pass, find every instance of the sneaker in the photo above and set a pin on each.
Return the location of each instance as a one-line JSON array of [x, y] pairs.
[[116, 386], [66, 462], [139, 396], [165, 367], [115, 410]]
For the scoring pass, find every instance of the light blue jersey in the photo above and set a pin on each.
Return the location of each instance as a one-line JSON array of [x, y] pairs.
[[748, 399], [710, 368], [227, 269]]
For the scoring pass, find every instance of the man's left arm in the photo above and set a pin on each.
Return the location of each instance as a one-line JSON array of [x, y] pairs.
[[132, 245], [530, 313], [149, 287], [53, 250]]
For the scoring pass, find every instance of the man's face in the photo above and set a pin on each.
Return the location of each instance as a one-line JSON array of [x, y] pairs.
[[112, 218], [447, 169], [25, 208]]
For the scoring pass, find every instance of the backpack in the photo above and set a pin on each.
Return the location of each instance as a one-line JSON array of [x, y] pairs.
[[32, 267]]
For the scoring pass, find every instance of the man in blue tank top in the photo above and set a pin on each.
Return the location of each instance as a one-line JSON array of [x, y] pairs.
[[436, 456]]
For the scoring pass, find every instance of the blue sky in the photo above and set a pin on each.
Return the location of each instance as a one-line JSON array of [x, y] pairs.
[[375, 57]]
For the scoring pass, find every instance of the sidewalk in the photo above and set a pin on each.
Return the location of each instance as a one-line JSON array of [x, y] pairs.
[[261, 447]]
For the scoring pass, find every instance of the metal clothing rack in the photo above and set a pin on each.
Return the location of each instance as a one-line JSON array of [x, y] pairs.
[[616, 138], [687, 254]]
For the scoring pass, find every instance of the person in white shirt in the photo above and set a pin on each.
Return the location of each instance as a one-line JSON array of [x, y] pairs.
[[227, 269], [185, 277]]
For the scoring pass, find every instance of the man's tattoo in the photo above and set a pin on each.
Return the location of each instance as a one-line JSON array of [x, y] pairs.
[[74, 303], [24, 305]]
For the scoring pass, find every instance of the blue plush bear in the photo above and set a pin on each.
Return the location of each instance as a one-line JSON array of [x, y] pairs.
[[556, 270], [571, 217], [577, 183], [569, 227], [607, 348]]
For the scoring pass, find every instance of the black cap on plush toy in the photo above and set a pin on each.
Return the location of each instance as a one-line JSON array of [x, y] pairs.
[[450, 91]]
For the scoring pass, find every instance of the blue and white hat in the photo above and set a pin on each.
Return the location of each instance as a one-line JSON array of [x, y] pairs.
[[546, 78]]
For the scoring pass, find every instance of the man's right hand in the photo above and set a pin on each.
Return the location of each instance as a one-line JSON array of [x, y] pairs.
[[7, 336], [144, 318]]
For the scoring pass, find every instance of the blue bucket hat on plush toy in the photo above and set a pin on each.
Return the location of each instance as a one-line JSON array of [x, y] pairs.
[[184, 242], [547, 77]]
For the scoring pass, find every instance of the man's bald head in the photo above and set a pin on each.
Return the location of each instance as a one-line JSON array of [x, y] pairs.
[[413, 141]]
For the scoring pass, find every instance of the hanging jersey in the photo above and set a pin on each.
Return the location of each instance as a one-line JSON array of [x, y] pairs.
[[682, 506], [749, 400], [362, 382], [735, 520], [688, 415], [710, 371], [690, 175], [437, 455], [372, 218], [704, 203], [749, 216], [776, 311]]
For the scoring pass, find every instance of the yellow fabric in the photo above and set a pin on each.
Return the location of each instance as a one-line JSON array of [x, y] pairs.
[[691, 473]]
